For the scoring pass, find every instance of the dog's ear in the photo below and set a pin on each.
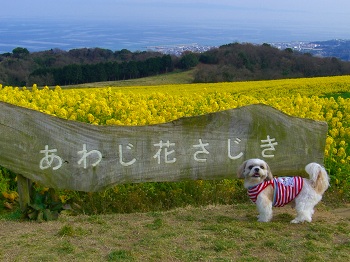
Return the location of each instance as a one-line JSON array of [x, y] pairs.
[[240, 169], [269, 173]]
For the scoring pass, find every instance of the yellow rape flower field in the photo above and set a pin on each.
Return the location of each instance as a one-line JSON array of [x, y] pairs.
[[323, 98]]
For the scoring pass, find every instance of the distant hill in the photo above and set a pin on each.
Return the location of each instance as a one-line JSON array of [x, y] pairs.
[[241, 62], [231, 62], [332, 48], [338, 48]]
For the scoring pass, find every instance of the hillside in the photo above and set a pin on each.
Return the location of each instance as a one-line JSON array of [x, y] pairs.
[[175, 77], [242, 62], [334, 48], [232, 62], [339, 48]]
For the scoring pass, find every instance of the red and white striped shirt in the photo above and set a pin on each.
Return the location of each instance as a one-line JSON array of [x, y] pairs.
[[285, 189]]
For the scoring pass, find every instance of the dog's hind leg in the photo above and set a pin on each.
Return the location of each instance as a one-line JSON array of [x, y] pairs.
[[303, 215], [305, 209]]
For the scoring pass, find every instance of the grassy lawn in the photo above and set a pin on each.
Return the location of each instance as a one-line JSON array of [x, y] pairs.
[[177, 77], [211, 233]]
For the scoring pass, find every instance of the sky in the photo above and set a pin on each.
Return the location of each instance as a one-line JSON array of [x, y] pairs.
[[264, 20], [270, 12]]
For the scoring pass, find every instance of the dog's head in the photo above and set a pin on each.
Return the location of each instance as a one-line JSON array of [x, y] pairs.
[[254, 171]]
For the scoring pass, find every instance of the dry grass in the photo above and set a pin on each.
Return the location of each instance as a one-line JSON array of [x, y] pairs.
[[213, 233]]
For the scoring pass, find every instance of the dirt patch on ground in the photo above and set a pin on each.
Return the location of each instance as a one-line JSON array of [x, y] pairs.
[[343, 212]]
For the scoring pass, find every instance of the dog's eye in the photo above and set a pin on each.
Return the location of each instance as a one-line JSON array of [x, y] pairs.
[[250, 167], [262, 167]]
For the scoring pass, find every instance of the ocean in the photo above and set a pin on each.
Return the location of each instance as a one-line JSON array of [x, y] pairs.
[[37, 35]]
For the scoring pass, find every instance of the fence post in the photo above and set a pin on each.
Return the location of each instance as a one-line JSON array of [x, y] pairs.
[[24, 187]]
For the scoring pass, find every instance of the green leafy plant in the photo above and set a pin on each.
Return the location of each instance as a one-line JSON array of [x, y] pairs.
[[44, 206], [7, 180]]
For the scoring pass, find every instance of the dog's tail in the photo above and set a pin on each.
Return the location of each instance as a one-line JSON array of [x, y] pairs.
[[318, 176]]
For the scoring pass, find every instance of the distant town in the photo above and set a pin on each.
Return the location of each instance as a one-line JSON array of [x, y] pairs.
[[180, 48], [332, 48]]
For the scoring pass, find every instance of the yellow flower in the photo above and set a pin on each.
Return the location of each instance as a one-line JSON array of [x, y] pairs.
[[341, 152], [90, 118], [329, 140], [342, 143]]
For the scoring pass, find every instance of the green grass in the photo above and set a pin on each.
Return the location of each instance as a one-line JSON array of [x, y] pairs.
[[177, 77], [120, 255], [209, 233], [336, 95], [14, 214]]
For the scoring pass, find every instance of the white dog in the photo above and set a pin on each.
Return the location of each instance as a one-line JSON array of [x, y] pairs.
[[267, 191]]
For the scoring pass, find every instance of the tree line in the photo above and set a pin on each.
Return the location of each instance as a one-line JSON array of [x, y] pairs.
[[242, 62], [85, 65], [231, 62], [108, 71]]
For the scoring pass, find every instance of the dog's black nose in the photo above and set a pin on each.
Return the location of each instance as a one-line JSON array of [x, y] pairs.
[[256, 169]]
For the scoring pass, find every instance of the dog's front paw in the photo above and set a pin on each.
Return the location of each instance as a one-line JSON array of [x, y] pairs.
[[263, 219], [295, 221]]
